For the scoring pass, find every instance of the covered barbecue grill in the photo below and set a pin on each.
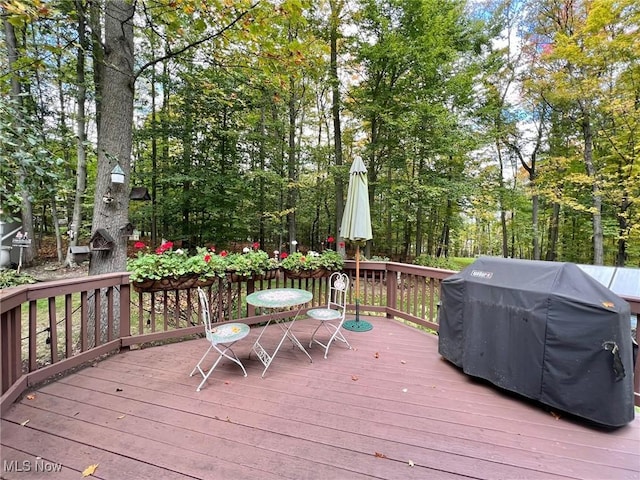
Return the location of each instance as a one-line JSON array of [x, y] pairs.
[[545, 330]]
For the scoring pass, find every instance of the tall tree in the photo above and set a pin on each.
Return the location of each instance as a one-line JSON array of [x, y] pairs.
[[17, 91], [111, 201], [81, 163]]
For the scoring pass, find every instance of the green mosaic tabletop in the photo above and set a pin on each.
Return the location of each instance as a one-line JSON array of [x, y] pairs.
[[279, 297]]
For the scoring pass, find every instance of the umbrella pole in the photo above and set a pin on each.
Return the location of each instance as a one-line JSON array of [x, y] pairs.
[[357, 282], [357, 325]]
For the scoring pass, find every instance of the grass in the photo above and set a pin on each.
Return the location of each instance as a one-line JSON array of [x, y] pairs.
[[462, 262]]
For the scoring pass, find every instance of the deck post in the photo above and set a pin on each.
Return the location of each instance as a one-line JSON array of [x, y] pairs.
[[10, 357], [392, 291]]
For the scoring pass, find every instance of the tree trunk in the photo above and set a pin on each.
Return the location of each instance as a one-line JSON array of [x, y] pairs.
[[443, 245], [503, 215], [187, 151], [154, 151], [97, 54], [596, 217], [81, 163], [16, 97], [623, 231], [115, 137], [336, 9], [552, 247], [534, 224]]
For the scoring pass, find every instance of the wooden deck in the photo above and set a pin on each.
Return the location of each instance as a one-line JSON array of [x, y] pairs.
[[389, 409]]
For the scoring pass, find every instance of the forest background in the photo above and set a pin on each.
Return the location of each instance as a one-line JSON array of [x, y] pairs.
[[488, 127]]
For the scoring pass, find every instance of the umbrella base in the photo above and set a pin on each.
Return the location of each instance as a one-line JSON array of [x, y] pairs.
[[357, 326]]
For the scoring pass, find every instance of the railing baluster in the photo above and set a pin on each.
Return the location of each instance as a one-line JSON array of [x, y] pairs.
[[68, 325], [33, 336], [84, 320], [97, 302], [109, 294], [53, 330]]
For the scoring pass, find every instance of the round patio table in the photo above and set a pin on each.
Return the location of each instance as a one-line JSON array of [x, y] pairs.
[[275, 299]]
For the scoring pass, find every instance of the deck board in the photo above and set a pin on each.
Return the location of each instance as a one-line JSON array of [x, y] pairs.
[[369, 412]]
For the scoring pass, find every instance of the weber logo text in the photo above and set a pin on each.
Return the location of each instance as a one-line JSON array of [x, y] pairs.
[[481, 274]]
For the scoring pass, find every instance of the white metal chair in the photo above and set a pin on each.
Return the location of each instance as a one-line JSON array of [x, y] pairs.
[[332, 316], [222, 337]]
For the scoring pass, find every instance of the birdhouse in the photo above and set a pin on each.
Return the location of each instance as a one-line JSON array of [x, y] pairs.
[[126, 229], [101, 240], [139, 194], [117, 174], [80, 253]]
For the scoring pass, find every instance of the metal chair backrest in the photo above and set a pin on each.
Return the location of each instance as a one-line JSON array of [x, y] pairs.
[[338, 287], [206, 315]]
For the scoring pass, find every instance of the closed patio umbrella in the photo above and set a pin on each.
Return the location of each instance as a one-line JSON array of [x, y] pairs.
[[356, 226]]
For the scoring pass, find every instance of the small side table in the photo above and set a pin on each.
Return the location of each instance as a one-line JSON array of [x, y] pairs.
[[278, 299]]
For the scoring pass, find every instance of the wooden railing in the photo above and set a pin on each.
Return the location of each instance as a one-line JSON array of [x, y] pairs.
[[48, 328]]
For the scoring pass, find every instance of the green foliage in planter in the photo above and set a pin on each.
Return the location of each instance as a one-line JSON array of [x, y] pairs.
[[166, 262], [247, 264], [328, 259], [206, 264]]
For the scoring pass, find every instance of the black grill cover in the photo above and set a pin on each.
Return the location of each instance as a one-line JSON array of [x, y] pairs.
[[545, 330]]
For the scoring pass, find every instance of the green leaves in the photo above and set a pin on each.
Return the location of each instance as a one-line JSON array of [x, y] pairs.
[[26, 164], [311, 260]]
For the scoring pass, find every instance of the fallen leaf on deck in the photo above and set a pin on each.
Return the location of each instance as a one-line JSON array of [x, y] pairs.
[[405, 390], [24, 423], [380, 455], [377, 355], [90, 470], [31, 397], [121, 417], [354, 377], [411, 464], [118, 389], [227, 382], [403, 361]]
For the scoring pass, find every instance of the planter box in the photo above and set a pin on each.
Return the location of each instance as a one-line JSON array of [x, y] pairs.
[[171, 283], [318, 273]]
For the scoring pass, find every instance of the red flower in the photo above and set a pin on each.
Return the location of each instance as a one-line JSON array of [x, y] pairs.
[[164, 247], [283, 255], [341, 244], [331, 239], [139, 245], [223, 253], [207, 258], [256, 245]]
